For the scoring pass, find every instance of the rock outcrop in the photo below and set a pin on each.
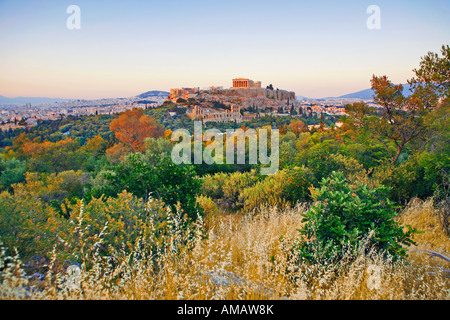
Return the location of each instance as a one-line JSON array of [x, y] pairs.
[[265, 93]]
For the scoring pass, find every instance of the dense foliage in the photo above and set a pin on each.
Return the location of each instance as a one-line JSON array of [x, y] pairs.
[[174, 185], [111, 166], [348, 218]]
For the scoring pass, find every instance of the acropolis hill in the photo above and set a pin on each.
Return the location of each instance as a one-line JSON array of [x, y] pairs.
[[242, 87], [208, 104]]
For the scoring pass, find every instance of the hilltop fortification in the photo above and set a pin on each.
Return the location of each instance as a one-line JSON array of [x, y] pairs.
[[260, 93], [242, 87]]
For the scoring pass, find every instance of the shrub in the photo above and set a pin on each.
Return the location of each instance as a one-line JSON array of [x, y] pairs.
[[208, 205], [51, 157], [209, 208], [353, 170], [27, 223], [285, 188], [442, 200], [173, 184], [55, 188], [100, 180], [111, 226], [229, 187], [346, 219], [267, 192], [157, 149], [212, 185], [178, 185], [401, 180], [288, 150], [234, 185], [296, 188], [117, 153], [11, 171], [105, 226]]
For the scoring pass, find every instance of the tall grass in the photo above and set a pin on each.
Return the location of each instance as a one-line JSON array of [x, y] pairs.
[[243, 257]]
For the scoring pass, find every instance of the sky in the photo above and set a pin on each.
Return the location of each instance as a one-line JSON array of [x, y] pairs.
[[123, 48]]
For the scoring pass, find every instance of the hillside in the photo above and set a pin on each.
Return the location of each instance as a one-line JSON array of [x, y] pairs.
[[334, 212], [367, 94], [154, 93]]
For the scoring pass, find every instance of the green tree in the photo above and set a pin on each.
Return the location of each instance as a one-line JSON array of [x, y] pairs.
[[402, 119], [434, 72], [11, 171], [27, 223], [344, 219], [53, 157], [157, 149], [175, 185]]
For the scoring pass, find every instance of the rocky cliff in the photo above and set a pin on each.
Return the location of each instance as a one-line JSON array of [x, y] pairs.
[[265, 93]]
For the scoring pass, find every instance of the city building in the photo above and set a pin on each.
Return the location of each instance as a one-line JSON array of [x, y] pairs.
[[184, 93]]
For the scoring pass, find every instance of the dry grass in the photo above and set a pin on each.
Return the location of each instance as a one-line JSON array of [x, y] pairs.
[[425, 217], [250, 257]]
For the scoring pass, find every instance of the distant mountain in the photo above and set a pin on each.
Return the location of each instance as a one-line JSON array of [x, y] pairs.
[[302, 98], [30, 100], [363, 94], [368, 93], [152, 94]]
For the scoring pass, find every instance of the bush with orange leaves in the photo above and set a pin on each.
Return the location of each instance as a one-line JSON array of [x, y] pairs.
[[133, 126]]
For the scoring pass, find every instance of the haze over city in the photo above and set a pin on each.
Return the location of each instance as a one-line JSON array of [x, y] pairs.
[[318, 49]]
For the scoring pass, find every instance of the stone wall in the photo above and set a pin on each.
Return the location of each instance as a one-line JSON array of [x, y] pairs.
[[265, 93]]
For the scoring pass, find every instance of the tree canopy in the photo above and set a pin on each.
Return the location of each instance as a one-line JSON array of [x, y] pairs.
[[133, 126]]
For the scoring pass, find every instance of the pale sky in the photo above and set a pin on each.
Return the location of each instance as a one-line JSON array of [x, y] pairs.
[[315, 48]]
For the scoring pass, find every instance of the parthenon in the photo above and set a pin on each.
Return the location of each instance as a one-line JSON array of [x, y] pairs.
[[242, 83]]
